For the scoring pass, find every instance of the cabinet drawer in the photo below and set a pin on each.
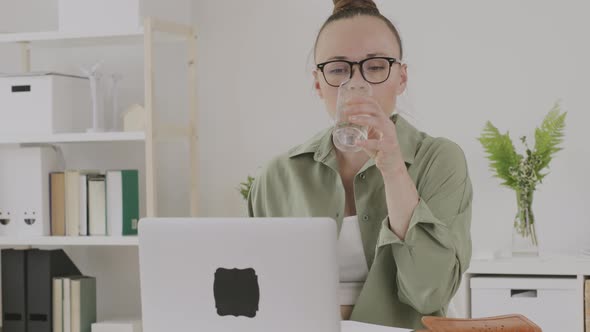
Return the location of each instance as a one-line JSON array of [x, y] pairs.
[[552, 303]]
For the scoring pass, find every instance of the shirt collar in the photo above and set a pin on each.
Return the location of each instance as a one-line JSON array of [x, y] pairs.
[[323, 150]]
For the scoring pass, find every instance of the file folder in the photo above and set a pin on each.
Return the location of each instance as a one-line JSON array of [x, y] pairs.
[[42, 267], [14, 276]]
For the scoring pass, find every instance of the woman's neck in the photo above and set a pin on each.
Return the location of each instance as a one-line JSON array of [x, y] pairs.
[[349, 163]]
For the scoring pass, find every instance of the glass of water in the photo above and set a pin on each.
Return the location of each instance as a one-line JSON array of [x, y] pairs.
[[346, 134]]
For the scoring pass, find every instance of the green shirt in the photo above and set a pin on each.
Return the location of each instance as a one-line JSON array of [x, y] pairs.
[[407, 278]]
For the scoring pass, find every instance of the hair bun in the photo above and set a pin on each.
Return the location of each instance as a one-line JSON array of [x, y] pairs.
[[344, 5]]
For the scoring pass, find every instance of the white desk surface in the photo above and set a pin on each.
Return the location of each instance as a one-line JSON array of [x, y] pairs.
[[542, 265], [352, 326]]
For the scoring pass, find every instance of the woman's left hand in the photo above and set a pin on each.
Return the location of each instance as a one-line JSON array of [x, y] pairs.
[[381, 144]]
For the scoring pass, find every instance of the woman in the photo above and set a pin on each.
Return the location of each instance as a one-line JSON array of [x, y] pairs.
[[402, 203]]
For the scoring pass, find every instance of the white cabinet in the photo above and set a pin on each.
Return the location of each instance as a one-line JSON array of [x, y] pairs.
[[537, 298], [549, 290]]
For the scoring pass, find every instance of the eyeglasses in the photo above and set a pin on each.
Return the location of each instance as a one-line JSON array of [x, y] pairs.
[[374, 70]]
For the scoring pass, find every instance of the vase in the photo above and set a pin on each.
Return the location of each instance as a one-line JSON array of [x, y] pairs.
[[524, 235]]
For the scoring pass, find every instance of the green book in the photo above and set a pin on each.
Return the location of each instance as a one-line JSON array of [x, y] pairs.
[[83, 303], [122, 202]]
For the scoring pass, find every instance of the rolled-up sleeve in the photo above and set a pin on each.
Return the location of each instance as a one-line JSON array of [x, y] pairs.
[[436, 250]]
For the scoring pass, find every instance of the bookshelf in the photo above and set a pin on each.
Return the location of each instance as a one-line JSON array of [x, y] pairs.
[[66, 241], [147, 35], [114, 260], [73, 138], [61, 39]]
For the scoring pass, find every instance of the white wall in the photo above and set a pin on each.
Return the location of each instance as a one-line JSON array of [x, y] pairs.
[[469, 62], [503, 61]]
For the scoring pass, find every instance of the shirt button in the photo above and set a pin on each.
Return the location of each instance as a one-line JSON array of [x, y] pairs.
[[363, 176], [365, 217]]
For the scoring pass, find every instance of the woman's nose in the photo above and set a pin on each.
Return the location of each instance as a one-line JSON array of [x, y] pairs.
[[356, 73], [357, 81]]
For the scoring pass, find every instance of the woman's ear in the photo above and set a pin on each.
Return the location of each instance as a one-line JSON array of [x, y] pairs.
[[403, 82], [316, 84]]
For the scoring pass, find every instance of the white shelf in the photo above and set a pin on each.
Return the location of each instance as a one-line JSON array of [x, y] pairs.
[[62, 39], [9, 241], [73, 138], [547, 265]]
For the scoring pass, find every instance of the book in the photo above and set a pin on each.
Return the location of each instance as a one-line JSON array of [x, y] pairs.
[[67, 305], [82, 303], [83, 205], [58, 302], [122, 202], [57, 203], [97, 223], [72, 194]]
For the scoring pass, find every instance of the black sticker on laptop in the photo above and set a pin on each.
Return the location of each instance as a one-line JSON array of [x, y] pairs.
[[236, 292]]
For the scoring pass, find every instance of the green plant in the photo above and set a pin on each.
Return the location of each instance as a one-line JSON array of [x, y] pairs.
[[523, 172], [246, 186]]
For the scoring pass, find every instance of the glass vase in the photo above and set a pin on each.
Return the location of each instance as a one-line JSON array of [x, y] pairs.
[[524, 235]]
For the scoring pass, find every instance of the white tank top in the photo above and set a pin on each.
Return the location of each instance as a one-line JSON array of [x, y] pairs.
[[351, 260]]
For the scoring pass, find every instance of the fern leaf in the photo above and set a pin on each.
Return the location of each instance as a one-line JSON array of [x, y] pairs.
[[549, 136], [501, 153]]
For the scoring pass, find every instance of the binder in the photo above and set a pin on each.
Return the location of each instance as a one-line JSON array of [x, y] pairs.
[[14, 290], [122, 202], [42, 267]]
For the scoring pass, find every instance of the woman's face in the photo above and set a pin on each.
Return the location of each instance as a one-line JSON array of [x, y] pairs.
[[356, 39]]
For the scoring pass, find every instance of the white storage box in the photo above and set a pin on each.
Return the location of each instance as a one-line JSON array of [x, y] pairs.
[[117, 16], [117, 326], [550, 302], [24, 190], [44, 103]]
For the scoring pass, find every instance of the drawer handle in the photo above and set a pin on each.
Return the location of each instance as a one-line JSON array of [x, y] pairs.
[[523, 293], [21, 88]]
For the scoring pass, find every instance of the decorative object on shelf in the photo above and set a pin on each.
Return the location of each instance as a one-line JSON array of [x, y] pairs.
[[94, 76], [115, 79], [134, 118], [246, 186], [58, 102], [523, 173]]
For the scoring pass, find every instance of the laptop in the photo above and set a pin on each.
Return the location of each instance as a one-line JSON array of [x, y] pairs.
[[239, 274]]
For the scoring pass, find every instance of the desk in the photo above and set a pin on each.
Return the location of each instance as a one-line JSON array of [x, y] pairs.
[[352, 326]]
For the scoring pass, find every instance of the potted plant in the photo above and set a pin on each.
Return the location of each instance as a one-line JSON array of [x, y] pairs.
[[244, 188], [523, 173]]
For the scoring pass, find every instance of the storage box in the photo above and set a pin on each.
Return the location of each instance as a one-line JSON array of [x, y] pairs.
[[104, 16], [44, 103], [24, 190], [117, 326], [550, 302]]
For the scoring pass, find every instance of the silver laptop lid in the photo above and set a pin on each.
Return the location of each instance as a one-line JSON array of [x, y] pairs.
[[242, 274]]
